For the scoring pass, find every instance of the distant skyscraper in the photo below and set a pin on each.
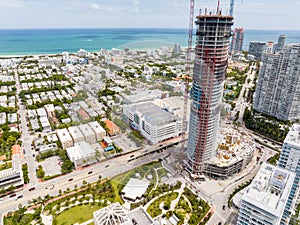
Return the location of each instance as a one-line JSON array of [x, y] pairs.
[[176, 49], [278, 86], [269, 47], [237, 40], [266, 198], [256, 48], [281, 42], [211, 54]]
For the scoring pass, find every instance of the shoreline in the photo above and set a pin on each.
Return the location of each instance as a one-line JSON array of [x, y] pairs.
[[9, 56]]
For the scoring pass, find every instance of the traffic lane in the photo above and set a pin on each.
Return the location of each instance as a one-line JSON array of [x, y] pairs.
[[62, 183]]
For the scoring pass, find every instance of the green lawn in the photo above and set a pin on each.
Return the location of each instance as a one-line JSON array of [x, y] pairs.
[[24, 220], [161, 173], [76, 214], [154, 209], [6, 165]]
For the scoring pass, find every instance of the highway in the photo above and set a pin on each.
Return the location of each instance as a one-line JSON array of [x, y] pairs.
[[107, 169]]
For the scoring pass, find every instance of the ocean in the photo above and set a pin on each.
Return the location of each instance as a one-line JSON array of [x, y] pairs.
[[53, 41]]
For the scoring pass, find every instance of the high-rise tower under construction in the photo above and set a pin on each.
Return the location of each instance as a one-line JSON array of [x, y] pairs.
[[211, 55]]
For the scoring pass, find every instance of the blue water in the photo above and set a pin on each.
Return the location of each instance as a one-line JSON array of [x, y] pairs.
[[51, 41]]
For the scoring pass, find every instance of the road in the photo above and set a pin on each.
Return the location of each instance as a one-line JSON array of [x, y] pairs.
[[107, 169], [25, 135], [240, 102]]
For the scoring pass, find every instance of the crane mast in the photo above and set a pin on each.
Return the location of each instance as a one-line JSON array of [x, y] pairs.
[[188, 70]]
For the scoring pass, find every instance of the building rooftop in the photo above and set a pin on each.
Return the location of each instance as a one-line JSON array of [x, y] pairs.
[[144, 95], [80, 150], [63, 135], [140, 216], [270, 189], [75, 133], [86, 130], [154, 114], [113, 214], [293, 137], [96, 127], [135, 188]]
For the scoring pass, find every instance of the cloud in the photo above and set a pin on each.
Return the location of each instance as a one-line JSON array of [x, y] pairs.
[[12, 4], [94, 6]]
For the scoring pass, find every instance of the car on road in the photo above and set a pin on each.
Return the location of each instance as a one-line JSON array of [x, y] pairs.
[[90, 172], [20, 196], [106, 166], [219, 223], [71, 179], [31, 189], [13, 195], [223, 207], [131, 156]]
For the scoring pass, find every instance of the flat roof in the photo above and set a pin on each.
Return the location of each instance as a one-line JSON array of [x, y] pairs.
[[144, 95], [86, 129], [152, 113], [96, 127], [64, 135], [293, 137], [75, 132], [135, 188], [270, 189], [140, 216], [80, 150]]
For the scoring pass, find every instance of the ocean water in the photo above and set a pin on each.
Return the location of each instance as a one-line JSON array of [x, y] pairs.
[[52, 41]]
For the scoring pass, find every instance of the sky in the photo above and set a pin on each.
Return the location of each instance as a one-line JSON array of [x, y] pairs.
[[249, 14]]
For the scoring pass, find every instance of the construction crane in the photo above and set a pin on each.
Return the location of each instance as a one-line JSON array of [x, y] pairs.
[[188, 70], [188, 65]]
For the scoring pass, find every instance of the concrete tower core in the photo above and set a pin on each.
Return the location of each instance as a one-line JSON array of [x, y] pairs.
[[211, 54]]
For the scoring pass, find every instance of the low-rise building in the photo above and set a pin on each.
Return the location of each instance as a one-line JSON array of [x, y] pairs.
[[45, 124], [135, 189], [89, 135], [2, 118], [82, 154], [64, 138], [114, 214], [98, 129], [113, 129], [76, 134], [14, 175], [45, 148]]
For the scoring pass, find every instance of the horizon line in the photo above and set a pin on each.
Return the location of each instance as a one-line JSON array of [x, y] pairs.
[[137, 28]]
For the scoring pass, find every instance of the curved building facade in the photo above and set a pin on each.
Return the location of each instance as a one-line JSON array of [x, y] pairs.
[[211, 54]]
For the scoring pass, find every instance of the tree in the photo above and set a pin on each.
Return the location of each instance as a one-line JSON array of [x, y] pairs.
[[67, 166]]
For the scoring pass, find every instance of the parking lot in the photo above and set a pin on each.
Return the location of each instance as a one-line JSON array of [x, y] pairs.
[[51, 166], [125, 143]]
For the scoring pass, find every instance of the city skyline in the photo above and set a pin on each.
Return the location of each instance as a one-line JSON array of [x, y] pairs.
[[256, 14]]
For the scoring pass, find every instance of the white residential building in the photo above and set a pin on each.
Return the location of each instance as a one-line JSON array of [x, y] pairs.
[[154, 123], [89, 135], [290, 160], [76, 134], [2, 118], [64, 137], [265, 198], [98, 129], [82, 154], [278, 85]]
